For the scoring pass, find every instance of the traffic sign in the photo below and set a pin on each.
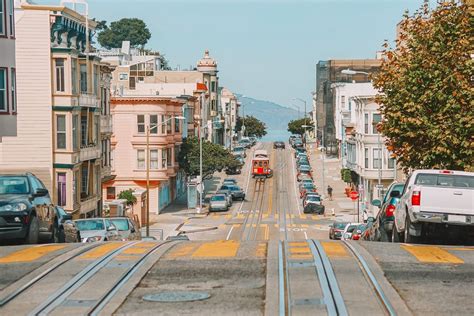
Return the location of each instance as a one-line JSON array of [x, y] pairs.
[[354, 195]]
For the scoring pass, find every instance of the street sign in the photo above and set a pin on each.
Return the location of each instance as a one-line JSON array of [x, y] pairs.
[[354, 195]]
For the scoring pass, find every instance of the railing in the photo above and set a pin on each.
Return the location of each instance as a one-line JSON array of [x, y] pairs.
[[88, 152], [88, 100]]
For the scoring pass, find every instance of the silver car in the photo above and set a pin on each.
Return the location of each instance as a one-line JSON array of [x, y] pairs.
[[228, 194], [127, 228], [218, 203], [96, 229]]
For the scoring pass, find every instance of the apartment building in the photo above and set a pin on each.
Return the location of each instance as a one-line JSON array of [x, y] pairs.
[[327, 73], [230, 110], [62, 107], [8, 93], [132, 117]]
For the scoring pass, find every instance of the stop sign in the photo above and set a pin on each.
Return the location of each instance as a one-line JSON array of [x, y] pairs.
[[354, 195]]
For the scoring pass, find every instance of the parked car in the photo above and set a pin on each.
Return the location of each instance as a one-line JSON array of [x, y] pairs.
[[432, 201], [358, 231], [26, 209], [381, 230], [61, 218], [305, 181], [237, 192], [218, 203], [241, 160], [279, 145], [348, 231], [245, 142], [313, 204], [239, 151], [228, 195], [96, 229], [299, 150], [306, 187], [233, 170], [229, 181], [303, 175], [127, 228], [253, 140], [336, 229]]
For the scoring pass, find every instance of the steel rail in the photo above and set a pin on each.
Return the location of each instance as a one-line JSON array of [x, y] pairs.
[[250, 211], [9, 297], [260, 212], [102, 302], [332, 295], [383, 299], [55, 299]]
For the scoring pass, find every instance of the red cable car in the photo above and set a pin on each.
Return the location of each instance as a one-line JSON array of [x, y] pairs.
[[261, 165]]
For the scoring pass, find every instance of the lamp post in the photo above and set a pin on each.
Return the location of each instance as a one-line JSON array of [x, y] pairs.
[[148, 130], [301, 100]]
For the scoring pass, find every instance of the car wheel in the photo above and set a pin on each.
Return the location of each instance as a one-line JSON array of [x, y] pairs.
[[33, 231], [395, 235], [407, 237], [383, 235], [61, 235]]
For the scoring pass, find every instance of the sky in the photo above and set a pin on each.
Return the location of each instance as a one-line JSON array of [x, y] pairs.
[[265, 49]]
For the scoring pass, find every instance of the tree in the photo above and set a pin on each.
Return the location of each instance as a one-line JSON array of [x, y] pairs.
[[133, 30], [296, 126], [214, 157], [253, 126], [427, 100], [128, 195]]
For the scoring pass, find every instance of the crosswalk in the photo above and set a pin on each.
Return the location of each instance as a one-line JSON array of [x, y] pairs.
[[244, 214]]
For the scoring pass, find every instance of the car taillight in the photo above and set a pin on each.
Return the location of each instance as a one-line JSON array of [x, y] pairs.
[[390, 210], [416, 198]]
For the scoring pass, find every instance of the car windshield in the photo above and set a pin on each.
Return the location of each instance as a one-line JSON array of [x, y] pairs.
[[445, 180], [14, 185], [218, 198], [120, 223], [90, 224], [313, 198], [340, 225], [239, 149], [308, 185], [234, 188]]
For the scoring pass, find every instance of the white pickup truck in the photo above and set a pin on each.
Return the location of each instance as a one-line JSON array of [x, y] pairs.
[[433, 200]]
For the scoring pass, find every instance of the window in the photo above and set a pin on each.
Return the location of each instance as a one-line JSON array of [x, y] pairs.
[[343, 102], [61, 132], [110, 193], [163, 158], [366, 157], [112, 163], [153, 124], [85, 180], [75, 143], [376, 118], [2, 19], [3, 88], [141, 159], [74, 75], [11, 18], [13, 87], [377, 159], [163, 125], [213, 86], [123, 76], [75, 186], [177, 123], [141, 123], [61, 179], [366, 123], [96, 79], [154, 159], [168, 124], [83, 79], [176, 154], [169, 157], [59, 66], [391, 163]]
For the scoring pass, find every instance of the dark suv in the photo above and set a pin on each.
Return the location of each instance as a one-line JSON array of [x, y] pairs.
[[279, 145], [26, 209]]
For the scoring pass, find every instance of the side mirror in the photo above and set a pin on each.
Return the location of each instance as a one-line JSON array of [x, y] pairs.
[[41, 192], [395, 194], [376, 202], [133, 230]]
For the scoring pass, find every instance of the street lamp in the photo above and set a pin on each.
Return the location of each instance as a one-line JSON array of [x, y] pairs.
[[148, 130], [301, 100]]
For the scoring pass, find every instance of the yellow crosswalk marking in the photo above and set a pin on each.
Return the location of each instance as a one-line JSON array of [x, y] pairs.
[[432, 254], [181, 250], [218, 249], [261, 250], [298, 244], [334, 249], [101, 250], [30, 254]]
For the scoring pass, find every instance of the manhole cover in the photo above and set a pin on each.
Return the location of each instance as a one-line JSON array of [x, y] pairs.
[[181, 296]]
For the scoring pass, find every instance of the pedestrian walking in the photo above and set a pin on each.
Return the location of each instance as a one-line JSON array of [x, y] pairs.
[[330, 192]]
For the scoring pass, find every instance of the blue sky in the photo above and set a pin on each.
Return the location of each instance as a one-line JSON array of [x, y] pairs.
[[266, 49]]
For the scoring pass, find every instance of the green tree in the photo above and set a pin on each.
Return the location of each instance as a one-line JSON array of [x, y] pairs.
[[128, 195], [253, 126], [427, 100], [346, 175], [296, 126], [133, 30], [214, 157]]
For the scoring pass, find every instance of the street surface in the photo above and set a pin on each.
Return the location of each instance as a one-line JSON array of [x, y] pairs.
[[262, 257]]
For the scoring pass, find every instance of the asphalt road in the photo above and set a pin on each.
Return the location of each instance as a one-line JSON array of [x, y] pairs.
[[264, 256]]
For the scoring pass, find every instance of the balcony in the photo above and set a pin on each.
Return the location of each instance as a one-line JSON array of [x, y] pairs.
[[106, 124], [89, 204], [89, 152], [106, 172], [346, 118], [88, 100]]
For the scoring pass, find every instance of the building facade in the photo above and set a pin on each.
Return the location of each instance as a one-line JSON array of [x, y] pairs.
[[8, 93], [230, 111], [132, 117], [327, 73], [62, 98]]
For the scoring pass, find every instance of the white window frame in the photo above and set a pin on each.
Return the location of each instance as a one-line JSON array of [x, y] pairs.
[[141, 123], [374, 129], [154, 161], [62, 132], [3, 15], [376, 156], [153, 129], [366, 157], [4, 88], [11, 18], [139, 159], [164, 155], [59, 75], [123, 76], [13, 89]]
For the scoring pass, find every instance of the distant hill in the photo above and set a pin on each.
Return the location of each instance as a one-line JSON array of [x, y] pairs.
[[275, 116]]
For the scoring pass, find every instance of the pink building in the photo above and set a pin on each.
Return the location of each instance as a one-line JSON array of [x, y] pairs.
[[132, 116]]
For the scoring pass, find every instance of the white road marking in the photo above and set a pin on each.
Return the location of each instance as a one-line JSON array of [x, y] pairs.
[[230, 232], [305, 235], [294, 177]]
